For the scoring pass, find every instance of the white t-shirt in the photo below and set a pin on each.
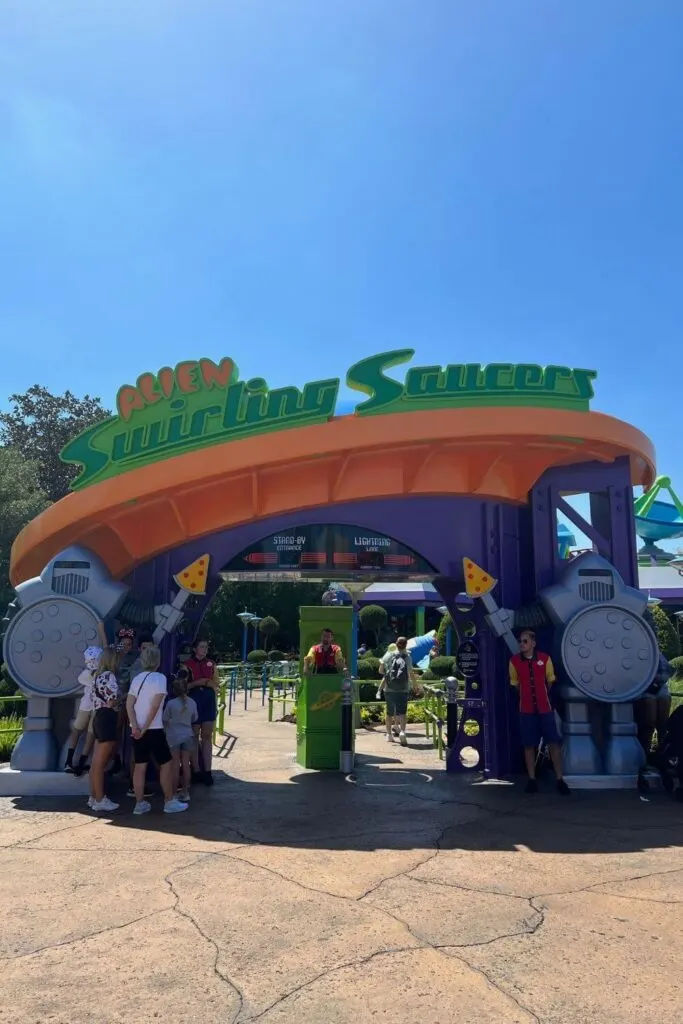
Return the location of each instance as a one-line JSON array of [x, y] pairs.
[[145, 687], [86, 680]]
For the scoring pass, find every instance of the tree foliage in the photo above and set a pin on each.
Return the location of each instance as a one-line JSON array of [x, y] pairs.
[[268, 627], [40, 424], [21, 499], [373, 618], [280, 600], [666, 633], [442, 632]]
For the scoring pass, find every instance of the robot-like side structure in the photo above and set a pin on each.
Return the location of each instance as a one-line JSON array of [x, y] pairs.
[[607, 653], [51, 622]]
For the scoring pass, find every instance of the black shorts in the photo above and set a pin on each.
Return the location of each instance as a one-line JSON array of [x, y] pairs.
[[105, 725], [207, 705], [152, 745]]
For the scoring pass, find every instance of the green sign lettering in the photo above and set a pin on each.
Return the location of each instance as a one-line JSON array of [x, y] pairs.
[[200, 403]]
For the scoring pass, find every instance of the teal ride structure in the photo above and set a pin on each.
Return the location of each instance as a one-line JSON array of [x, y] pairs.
[[658, 520]]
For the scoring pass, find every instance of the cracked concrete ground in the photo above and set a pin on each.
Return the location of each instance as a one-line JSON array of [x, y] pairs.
[[288, 896]]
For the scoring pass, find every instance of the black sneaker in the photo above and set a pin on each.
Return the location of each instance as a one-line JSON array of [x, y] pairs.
[[563, 788], [207, 779], [531, 786], [146, 796]]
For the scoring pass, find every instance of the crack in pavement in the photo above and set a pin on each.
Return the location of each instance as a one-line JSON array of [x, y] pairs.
[[420, 942], [178, 909], [360, 962], [20, 843], [493, 984], [86, 938]]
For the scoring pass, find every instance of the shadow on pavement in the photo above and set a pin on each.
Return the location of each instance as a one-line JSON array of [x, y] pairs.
[[400, 808]]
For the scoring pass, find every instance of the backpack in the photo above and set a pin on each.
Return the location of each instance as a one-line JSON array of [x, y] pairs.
[[398, 670]]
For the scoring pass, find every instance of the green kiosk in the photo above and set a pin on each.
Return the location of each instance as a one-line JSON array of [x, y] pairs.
[[319, 701]]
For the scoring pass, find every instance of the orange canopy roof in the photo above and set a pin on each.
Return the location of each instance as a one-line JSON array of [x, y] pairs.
[[496, 453]]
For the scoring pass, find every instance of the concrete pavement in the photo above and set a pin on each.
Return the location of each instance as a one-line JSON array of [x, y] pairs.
[[288, 896]]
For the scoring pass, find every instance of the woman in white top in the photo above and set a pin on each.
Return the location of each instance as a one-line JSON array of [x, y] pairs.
[[145, 707], [84, 716]]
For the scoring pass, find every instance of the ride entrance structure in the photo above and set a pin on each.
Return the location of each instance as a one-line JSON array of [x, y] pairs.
[[201, 476]]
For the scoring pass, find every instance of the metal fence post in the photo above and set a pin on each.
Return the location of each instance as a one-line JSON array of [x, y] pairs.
[[346, 751]]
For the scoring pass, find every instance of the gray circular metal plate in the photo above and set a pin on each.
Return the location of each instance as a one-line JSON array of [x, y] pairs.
[[44, 645], [609, 653]]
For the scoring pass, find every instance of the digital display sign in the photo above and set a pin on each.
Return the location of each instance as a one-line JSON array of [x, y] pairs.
[[332, 552]]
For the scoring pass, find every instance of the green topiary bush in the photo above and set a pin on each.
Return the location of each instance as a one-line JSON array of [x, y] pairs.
[[367, 692], [445, 624], [373, 618], [442, 666], [666, 633], [256, 657], [368, 668], [677, 666], [7, 685], [276, 656]]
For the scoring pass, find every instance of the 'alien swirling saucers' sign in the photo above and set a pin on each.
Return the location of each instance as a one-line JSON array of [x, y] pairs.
[[200, 403]]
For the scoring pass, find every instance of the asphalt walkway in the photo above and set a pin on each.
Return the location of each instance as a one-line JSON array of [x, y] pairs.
[[399, 895]]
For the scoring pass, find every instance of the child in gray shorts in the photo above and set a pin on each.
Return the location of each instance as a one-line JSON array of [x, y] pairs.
[[180, 714]]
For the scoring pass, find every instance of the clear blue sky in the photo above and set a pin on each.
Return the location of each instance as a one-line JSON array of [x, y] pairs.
[[299, 183]]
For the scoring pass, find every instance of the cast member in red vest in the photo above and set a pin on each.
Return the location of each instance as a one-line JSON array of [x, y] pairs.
[[326, 657], [532, 673], [203, 688]]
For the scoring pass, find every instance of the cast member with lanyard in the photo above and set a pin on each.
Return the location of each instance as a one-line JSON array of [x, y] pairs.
[[203, 689]]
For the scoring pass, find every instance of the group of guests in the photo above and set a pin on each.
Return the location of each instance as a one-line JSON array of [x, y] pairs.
[[127, 716]]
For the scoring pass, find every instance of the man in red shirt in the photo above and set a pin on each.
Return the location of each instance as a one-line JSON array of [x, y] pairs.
[[203, 688], [532, 673], [325, 658]]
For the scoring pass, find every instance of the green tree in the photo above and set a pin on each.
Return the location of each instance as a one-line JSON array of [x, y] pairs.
[[21, 499], [268, 627], [666, 633], [280, 600], [441, 633], [40, 424], [373, 618]]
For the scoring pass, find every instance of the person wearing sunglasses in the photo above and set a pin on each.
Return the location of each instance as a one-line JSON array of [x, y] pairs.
[[532, 673]]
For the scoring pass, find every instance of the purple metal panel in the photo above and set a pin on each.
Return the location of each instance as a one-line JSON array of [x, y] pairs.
[[544, 534]]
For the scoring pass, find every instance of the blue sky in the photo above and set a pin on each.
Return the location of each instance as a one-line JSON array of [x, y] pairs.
[[299, 184]]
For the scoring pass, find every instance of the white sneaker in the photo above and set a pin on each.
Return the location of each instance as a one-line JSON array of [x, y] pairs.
[[174, 806], [91, 802], [184, 797], [104, 805], [402, 739], [142, 807], [389, 737]]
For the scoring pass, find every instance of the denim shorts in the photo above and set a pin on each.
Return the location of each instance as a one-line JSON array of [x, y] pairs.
[[397, 702], [207, 704], [189, 744]]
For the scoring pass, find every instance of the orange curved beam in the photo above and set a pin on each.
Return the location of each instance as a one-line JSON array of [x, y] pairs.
[[487, 453]]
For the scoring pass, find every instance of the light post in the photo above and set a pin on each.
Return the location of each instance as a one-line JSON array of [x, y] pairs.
[[355, 590], [245, 618], [255, 619]]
